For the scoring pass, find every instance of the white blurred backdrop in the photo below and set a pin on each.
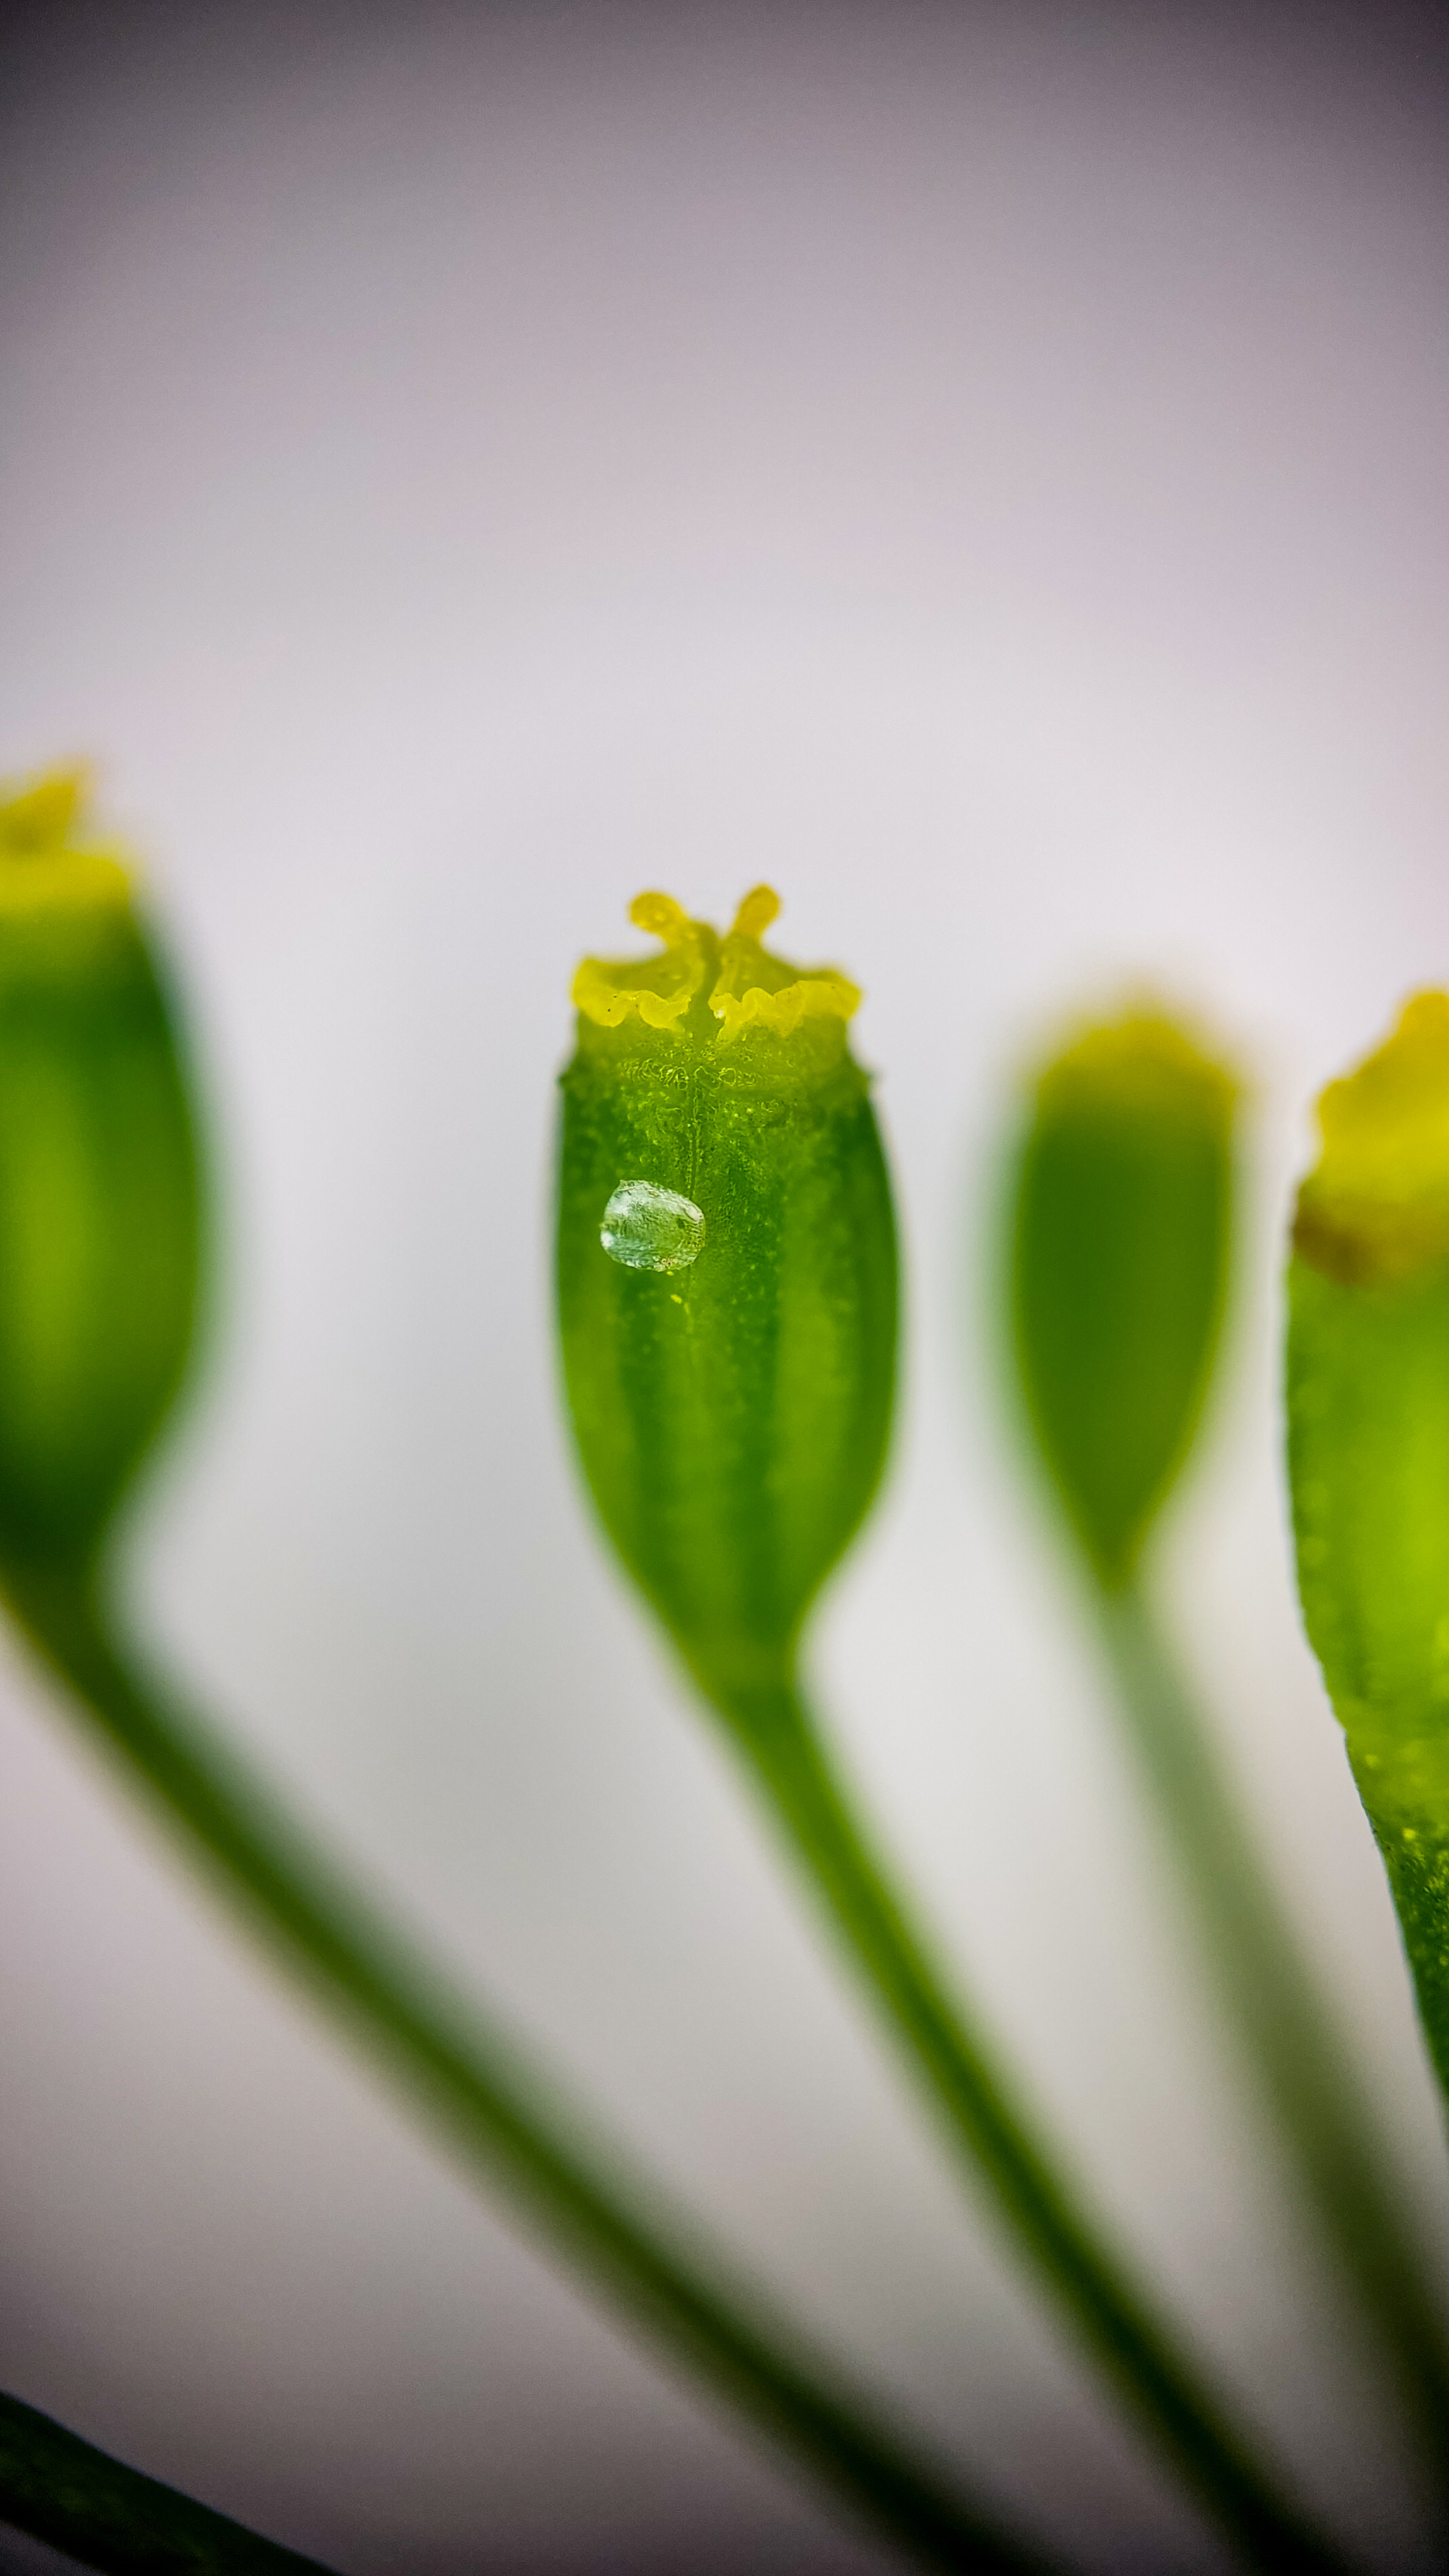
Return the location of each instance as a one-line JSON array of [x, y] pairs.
[[982, 470]]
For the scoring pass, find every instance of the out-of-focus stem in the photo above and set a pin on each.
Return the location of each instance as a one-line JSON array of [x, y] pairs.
[[1270, 1997], [1112, 2318], [501, 2121]]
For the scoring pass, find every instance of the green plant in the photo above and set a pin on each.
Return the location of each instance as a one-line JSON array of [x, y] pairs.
[[1368, 1450], [730, 1388], [99, 1250], [1121, 1237], [727, 1279]]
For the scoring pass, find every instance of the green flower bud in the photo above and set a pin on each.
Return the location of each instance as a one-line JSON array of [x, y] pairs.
[[98, 1183], [1368, 1452], [727, 1281], [1121, 1220]]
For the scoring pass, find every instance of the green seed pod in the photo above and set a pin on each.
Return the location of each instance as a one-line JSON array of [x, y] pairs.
[[98, 1184], [1121, 1218], [727, 1282], [1368, 1452]]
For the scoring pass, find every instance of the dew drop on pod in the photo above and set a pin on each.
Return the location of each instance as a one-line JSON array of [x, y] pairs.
[[98, 1267], [727, 1282], [727, 1293], [1368, 1449], [98, 1184]]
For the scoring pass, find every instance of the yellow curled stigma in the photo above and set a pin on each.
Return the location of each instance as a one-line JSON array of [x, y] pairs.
[[757, 991], [656, 990], [46, 864], [1142, 1059], [1376, 1204], [757, 910]]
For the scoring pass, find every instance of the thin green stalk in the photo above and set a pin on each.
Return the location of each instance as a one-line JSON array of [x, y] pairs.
[[1112, 2317], [64, 2491], [1270, 1996], [492, 2109]]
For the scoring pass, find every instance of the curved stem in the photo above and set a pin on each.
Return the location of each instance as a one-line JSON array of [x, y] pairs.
[[62, 2490], [491, 2107], [1112, 2317], [1270, 1996]]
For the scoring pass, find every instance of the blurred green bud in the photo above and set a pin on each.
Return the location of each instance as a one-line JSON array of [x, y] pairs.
[[1368, 1453], [98, 1182], [1120, 1234], [727, 1282]]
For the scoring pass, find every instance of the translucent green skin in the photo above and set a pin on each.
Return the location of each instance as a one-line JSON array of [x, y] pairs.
[[1368, 1457], [732, 1417], [1120, 1249], [98, 1224]]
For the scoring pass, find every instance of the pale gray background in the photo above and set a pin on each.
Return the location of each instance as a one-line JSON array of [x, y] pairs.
[[985, 472]]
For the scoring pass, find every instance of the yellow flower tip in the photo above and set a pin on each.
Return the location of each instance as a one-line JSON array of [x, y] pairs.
[[757, 991], [657, 990], [824, 995], [761, 906], [37, 817], [661, 915], [45, 863], [1376, 1205], [1143, 1058], [748, 989]]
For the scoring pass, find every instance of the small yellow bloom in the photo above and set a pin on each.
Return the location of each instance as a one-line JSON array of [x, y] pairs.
[[1376, 1206]]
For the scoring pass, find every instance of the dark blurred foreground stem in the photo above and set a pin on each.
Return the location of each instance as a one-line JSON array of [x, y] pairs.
[[493, 2110], [1271, 1997], [61, 2490], [1068, 2247]]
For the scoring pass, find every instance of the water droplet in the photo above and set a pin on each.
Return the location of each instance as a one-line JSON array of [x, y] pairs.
[[651, 1229]]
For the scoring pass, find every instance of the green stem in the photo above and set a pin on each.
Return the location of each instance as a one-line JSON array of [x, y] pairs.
[[1269, 1994], [61, 2490], [1111, 2316], [486, 2101]]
